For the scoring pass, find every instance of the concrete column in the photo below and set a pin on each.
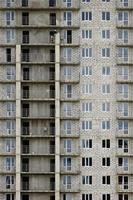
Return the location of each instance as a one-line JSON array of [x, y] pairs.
[[18, 122], [57, 116]]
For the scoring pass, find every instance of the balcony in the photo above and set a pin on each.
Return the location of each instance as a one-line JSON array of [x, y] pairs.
[[46, 150]]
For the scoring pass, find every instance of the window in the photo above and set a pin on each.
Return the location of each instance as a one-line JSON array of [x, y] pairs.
[[67, 109], [67, 127], [105, 125], [106, 197], [105, 1], [10, 91], [86, 1], [106, 180], [10, 197], [10, 16], [68, 145], [25, 18], [87, 180], [68, 91], [122, 196], [86, 71], [10, 145], [86, 52], [123, 108], [67, 181], [123, 53], [86, 144], [106, 161], [105, 52], [10, 163], [105, 88], [9, 182], [8, 54], [106, 143], [123, 144], [123, 72], [123, 35], [24, 3], [87, 107], [87, 88], [105, 107], [10, 126], [25, 196], [105, 71], [123, 90], [52, 19], [123, 162], [67, 72], [68, 36], [86, 125], [125, 3], [67, 162], [10, 35], [68, 18], [123, 17], [68, 3], [10, 73], [105, 34], [86, 34], [86, 196], [25, 37], [11, 109], [67, 54], [123, 126], [123, 180], [106, 16], [67, 196], [9, 3], [86, 16], [52, 3], [86, 162]]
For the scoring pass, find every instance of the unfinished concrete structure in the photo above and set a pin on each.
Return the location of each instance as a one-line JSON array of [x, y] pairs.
[[66, 100]]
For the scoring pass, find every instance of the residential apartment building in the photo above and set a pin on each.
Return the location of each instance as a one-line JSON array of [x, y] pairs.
[[66, 100]]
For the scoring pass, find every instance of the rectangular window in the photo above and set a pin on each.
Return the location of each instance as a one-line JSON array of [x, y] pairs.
[[10, 73], [86, 71], [10, 35], [86, 162], [86, 196], [106, 197], [68, 91], [8, 55], [86, 34], [24, 3], [68, 145], [123, 197], [105, 88], [106, 180], [10, 127], [68, 127], [10, 197], [67, 54], [123, 17], [106, 161], [123, 53], [10, 16], [67, 162], [106, 16], [105, 71], [25, 18], [68, 18], [86, 52], [123, 126], [123, 108], [105, 34], [86, 144], [86, 125], [123, 72], [10, 163], [106, 125], [67, 181], [87, 180], [105, 52], [123, 90], [86, 88], [106, 143], [9, 182], [86, 16], [87, 107], [123, 162], [123, 35], [105, 107]]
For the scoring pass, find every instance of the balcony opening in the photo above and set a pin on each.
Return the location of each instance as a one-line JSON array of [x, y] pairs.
[[52, 110], [25, 146], [52, 183], [52, 147], [52, 128], [10, 197], [25, 18], [52, 3], [52, 197], [26, 92], [8, 54], [25, 165], [25, 110], [25, 128], [25, 37], [26, 74], [25, 183], [52, 55], [25, 55], [24, 3], [52, 91], [52, 36], [53, 19], [25, 197], [69, 36], [51, 73], [52, 165]]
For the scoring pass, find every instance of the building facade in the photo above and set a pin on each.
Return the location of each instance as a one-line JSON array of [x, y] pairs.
[[66, 102]]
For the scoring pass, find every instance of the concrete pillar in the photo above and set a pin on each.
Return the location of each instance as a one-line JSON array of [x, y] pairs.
[[18, 122], [57, 116]]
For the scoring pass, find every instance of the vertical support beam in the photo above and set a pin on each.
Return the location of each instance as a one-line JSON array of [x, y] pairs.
[[57, 116], [18, 122]]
